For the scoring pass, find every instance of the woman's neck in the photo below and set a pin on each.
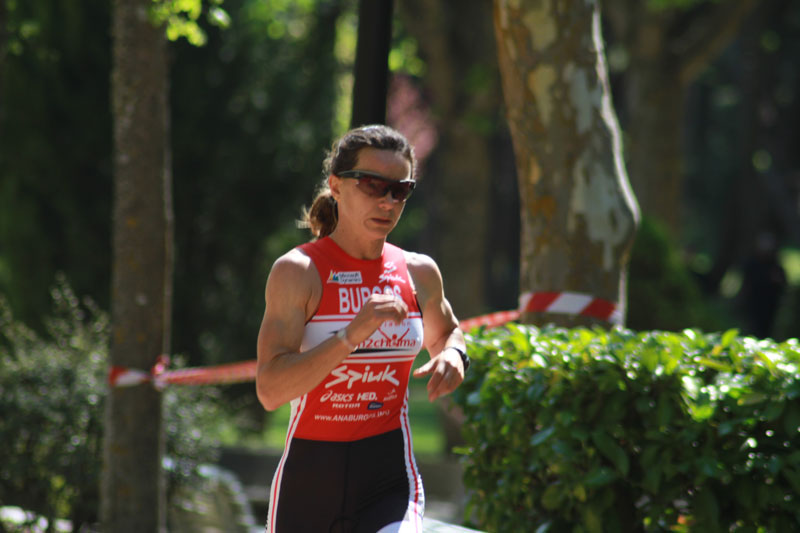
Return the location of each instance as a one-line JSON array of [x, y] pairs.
[[359, 249]]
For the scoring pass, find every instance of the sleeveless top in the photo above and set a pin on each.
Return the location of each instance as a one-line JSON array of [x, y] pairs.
[[367, 394]]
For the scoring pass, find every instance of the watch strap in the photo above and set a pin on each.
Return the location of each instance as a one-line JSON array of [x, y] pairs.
[[464, 357]]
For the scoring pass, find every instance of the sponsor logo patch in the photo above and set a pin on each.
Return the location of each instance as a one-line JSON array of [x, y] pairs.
[[388, 275], [344, 374], [345, 278], [337, 397], [374, 405]]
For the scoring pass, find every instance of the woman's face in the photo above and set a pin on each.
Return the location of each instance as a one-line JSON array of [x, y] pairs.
[[358, 210]]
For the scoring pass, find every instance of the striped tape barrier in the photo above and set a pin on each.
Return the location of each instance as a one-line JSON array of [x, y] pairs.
[[119, 376], [490, 321], [571, 303]]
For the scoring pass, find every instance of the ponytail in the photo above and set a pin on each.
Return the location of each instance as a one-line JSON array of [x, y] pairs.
[[322, 216]]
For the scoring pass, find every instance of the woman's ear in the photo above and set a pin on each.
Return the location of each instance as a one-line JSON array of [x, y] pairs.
[[334, 184]]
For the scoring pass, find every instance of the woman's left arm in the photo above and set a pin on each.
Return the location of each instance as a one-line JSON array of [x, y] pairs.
[[443, 338]]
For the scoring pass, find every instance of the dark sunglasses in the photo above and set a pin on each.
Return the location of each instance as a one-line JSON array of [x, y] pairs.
[[376, 186]]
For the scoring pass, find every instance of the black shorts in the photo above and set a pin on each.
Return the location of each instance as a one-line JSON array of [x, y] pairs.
[[347, 487]]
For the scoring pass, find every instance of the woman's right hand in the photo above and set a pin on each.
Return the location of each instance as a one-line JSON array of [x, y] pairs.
[[376, 309]]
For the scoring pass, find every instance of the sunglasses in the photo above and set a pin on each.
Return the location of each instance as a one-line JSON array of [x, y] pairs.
[[376, 186]]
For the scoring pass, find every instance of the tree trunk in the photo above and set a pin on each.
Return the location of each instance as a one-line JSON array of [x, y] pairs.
[[133, 489], [371, 79], [457, 44], [578, 212]]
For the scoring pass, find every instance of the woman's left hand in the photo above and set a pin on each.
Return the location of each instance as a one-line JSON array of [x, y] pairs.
[[446, 371]]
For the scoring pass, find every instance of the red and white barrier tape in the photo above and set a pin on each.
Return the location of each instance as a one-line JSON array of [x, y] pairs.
[[571, 303], [490, 321], [120, 376], [160, 377]]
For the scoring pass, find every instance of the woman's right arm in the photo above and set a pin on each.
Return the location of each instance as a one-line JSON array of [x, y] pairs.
[[283, 372], [292, 295]]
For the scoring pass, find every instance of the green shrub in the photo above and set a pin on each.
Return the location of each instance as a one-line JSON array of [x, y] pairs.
[[52, 392], [591, 430]]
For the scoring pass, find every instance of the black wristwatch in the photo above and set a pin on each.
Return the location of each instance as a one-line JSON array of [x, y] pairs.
[[464, 357]]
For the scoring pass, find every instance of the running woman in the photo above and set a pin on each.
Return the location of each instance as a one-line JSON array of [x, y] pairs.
[[346, 314]]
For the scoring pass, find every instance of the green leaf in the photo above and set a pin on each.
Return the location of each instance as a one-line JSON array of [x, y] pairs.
[[553, 496], [599, 476], [716, 365], [612, 451], [649, 358], [541, 436], [592, 520], [752, 398], [728, 337], [691, 386]]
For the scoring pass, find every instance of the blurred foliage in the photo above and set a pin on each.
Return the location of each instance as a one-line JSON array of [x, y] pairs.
[[663, 292], [252, 114], [52, 392], [180, 18], [591, 430], [741, 160], [252, 117], [55, 149]]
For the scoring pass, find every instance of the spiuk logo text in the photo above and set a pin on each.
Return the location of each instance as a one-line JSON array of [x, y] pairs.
[[351, 376]]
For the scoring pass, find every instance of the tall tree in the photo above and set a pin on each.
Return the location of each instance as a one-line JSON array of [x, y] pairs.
[[133, 487], [578, 213], [668, 45]]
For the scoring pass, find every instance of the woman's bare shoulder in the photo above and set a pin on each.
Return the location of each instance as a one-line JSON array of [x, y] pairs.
[[294, 267], [424, 271], [421, 264]]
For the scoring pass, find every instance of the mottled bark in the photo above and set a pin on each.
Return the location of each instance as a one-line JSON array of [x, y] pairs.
[[133, 496], [578, 212], [457, 44]]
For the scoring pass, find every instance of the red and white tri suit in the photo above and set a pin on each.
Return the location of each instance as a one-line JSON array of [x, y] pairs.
[[349, 439]]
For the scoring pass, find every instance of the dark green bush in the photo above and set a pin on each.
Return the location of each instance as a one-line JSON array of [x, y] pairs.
[[52, 392], [592, 430]]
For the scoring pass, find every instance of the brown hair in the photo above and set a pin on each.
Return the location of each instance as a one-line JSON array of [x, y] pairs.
[[322, 216]]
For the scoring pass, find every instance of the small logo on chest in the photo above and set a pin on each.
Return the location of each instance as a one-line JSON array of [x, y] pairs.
[[345, 278]]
